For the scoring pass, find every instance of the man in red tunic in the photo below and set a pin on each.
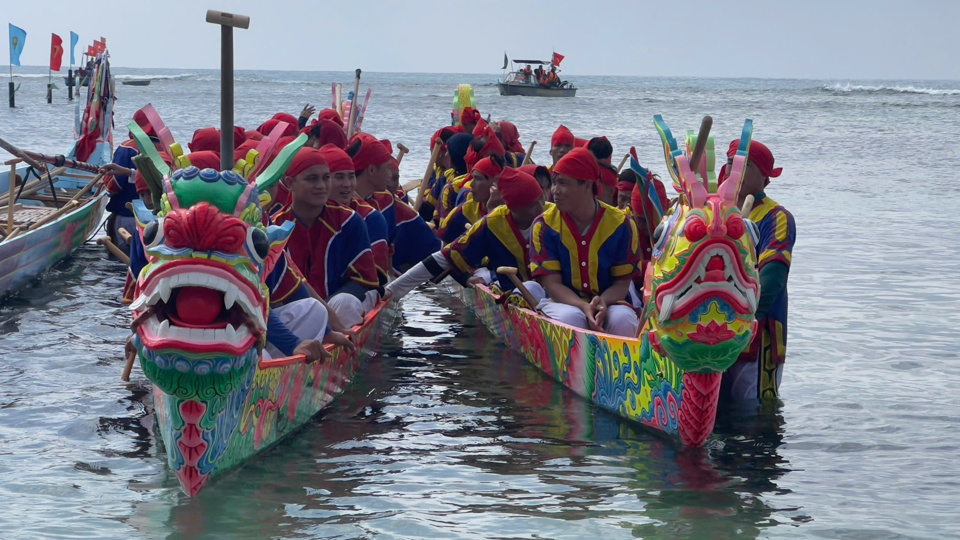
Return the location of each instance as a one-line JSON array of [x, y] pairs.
[[329, 243]]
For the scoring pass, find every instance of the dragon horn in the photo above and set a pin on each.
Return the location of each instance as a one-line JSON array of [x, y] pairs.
[[276, 170]]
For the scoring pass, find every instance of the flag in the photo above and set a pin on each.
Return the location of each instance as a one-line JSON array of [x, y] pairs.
[[56, 52], [74, 38], [505, 61], [17, 38], [557, 58], [91, 52], [98, 47]]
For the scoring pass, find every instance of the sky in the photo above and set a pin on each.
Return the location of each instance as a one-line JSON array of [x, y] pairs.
[[814, 39]]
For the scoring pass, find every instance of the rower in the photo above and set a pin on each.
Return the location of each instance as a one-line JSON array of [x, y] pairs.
[[456, 176], [510, 138], [482, 178], [439, 176], [469, 117], [343, 185], [329, 243], [601, 149], [542, 176], [408, 235], [323, 132], [562, 142], [120, 185], [625, 184], [584, 253], [502, 237], [485, 144], [758, 371]]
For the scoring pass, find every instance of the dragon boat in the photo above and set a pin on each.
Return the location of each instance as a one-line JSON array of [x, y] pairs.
[[218, 401], [700, 296]]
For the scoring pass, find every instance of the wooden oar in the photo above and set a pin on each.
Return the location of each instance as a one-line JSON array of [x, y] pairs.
[[117, 252], [34, 186], [353, 105], [511, 273], [702, 136], [747, 206], [623, 162], [526, 157], [426, 175], [401, 151]]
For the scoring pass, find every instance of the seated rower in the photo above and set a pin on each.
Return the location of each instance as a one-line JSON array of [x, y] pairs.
[[438, 177], [584, 253], [482, 178], [469, 117], [601, 149], [561, 143], [543, 177], [329, 243], [502, 237], [510, 138], [409, 237], [343, 186], [456, 176], [625, 184]]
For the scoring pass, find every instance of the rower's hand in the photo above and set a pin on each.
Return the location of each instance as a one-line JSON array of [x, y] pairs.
[[387, 295], [116, 170], [340, 339], [308, 111], [312, 349], [475, 280], [596, 312]]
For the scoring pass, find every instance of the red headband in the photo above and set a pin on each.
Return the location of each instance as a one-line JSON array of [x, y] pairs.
[[469, 115], [518, 188], [372, 152], [330, 115], [510, 137], [337, 159], [205, 159], [562, 136], [491, 147], [489, 169], [305, 158], [579, 164], [760, 155], [267, 127], [205, 139]]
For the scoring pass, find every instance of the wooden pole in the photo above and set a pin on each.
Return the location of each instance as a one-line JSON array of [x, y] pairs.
[[13, 186], [353, 105], [702, 137], [747, 206], [128, 367], [426, 176], [623, 162], [511, 273], [526, 158], [227, 22]]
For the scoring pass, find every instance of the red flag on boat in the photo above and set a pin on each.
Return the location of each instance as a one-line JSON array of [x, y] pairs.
[[56, 52], [91, 52], [99, 46], [557, 58]]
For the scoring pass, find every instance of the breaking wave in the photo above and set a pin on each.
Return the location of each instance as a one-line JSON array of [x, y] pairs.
[[884, 89]]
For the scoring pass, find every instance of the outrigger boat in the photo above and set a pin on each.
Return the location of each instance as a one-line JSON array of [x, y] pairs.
[[218, 402], [54, 211], [700, 297]]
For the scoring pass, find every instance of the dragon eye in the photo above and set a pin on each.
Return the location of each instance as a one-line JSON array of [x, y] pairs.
[[153, 233], [258, 244], [735, 226], [658, 234], [695, 229]]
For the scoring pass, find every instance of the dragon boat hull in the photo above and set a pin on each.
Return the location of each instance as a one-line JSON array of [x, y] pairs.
[[213, 431], [621, 375]]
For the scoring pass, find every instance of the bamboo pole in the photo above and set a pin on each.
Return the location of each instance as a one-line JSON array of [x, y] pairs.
[[623, 162], [526, 158], [402, 150], [128, 367]]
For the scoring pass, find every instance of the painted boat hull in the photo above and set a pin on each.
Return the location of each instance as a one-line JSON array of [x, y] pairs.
[[623, 376], [30, 254], [530, 90], [265, 405]]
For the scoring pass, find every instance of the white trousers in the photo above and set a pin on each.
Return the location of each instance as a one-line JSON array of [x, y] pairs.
[[306, 318], [349, 309], [620, 320]]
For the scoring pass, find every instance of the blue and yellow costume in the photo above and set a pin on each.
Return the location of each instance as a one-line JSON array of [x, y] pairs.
[[497, 238], [410, 239]]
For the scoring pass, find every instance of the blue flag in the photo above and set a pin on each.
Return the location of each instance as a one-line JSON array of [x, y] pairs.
[[17, 38], [74, 38]]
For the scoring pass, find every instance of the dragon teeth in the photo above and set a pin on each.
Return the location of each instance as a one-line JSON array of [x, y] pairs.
[[666, 308], [752, 300], [230, 296], [165, 290]]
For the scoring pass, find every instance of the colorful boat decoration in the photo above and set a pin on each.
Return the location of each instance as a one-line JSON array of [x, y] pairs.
[[218, 404], [56, 210], [700, 294]]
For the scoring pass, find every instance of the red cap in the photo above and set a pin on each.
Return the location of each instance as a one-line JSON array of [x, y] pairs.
[[239, 136], [140, 118], [305, 158], [241, 151], [331, 116], [469, 115], [491, 147], [579, 164], [510, 137], [518, 188], [388, 145], [759, 155], [337, 159], [253, 135], [580, 143], [205, 139], [205, 159], [562, 136], [533, 169], [436, 136], [267, 127], [330, 133], [623, 185], [608, 177], [372, 152], [488, 168], [286, 117]]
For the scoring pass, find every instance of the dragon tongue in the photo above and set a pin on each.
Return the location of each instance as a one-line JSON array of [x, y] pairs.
[[198, 306], [715, 267]]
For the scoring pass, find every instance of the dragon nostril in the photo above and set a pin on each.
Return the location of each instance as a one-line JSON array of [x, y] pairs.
[[695, 229], [735, 226]]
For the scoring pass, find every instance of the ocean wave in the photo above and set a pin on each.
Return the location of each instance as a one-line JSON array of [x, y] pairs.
[[884, 89]]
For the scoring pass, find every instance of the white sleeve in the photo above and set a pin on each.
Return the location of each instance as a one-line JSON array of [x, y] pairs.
[[414, 277]]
